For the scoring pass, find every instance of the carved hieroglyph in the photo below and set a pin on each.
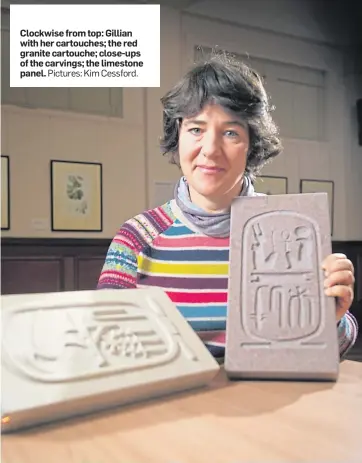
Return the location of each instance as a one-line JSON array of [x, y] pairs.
[[280, 323], [292, 308], [95, 348]]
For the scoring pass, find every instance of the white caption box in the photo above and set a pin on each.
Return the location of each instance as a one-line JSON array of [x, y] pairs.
[[84, 45]]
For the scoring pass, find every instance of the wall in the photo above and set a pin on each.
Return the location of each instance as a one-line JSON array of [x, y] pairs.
[[287, 34], [32, 136], [320, 21], [314, 158], [353, 83]]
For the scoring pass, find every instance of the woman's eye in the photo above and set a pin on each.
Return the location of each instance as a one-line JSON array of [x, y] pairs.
[[195, 130], [231, 133]]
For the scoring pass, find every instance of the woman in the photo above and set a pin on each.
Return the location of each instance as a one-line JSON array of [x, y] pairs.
[[219, 131]]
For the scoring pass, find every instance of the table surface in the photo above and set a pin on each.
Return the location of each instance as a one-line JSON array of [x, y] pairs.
[[227, 422]]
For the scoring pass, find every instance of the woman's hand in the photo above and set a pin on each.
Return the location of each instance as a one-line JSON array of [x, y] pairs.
[[339, 281]]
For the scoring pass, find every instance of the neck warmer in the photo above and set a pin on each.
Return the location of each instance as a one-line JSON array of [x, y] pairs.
[[209, 223]]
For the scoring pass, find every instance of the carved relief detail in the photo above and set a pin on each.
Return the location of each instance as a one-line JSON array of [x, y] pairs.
[[281, 292], [73, 343]]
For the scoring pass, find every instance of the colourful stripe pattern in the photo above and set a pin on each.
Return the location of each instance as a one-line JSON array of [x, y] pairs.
[[156, 249]]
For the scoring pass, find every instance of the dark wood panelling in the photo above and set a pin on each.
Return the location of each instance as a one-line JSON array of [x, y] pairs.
[[54, 246], [87, 271], [51, 265], [45, 265], [31, 275]]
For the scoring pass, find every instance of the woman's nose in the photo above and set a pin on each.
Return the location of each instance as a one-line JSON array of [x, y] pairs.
[[210, 145]]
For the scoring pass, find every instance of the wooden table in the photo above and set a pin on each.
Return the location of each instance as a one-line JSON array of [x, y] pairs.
[[229, 422]]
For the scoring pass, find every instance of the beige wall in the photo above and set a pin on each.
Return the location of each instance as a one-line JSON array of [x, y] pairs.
[[32, 137], [128, 146], [354, 161]]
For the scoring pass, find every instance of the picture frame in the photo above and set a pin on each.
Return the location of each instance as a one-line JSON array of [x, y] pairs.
[[320, 186], [5, 192], [271, 185], [76, 196]]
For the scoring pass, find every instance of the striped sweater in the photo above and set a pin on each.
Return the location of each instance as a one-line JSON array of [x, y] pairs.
[[160, 248]]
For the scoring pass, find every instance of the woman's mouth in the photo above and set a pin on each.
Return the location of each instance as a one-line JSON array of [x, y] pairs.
[[210, 169]]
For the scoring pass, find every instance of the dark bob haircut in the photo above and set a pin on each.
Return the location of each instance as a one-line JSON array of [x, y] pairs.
[[238, 89]]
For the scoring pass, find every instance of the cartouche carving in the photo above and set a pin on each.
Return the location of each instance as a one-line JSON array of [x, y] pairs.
[[90, 342], [69, 353], [291, 311], [280, 323]]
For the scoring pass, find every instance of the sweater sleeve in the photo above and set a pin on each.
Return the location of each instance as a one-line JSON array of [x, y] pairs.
[[120, 267], [347, 333]]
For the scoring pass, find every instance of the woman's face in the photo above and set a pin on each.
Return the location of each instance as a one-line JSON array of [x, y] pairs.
[[213, 149]]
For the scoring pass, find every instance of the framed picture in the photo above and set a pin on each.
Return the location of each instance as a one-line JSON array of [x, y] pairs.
[[271, 185], [76, 196], [320, 186], [5, 192]]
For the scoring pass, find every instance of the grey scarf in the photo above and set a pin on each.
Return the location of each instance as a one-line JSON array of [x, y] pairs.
[[211, 224]]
